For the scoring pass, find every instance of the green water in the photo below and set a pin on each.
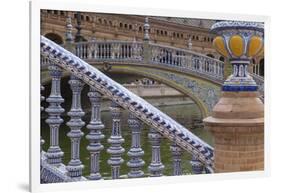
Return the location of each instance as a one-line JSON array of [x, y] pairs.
[[186, 114]]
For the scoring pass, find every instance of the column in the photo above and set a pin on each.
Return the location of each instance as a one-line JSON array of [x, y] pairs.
[[156, 167], [196, 165], [135, 152], [115, 150], [95, 135], [54, 154], [42, 98], [176, 156], [146, 38], [75, 124]]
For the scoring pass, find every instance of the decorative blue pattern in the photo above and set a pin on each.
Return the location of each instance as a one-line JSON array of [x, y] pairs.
[[239, 88]]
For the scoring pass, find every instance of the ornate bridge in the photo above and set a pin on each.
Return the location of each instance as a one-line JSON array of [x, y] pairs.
[[193, 74]]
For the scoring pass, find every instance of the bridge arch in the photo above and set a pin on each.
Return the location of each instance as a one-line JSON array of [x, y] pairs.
[[54, 37], [204, 109]]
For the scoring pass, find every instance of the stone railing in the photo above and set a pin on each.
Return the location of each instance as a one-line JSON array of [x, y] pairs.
[[109, 50], [151, 54], [260, 82], [52, 168], [187, 61]]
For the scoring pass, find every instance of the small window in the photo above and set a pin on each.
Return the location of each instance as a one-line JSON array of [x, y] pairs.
[[140, 28], [105, 22], [181, 35], [125, 25], [87, 18], [165, 33], [100, 21], [110, 23], [121, 25], [130, 26]]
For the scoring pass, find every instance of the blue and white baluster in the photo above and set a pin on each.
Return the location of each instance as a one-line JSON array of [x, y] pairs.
[[75, 166], [42, 98], [54, 154], [95, 135], [176, 154], [135, 152], [196, 165], [156, 167], [115, 140]]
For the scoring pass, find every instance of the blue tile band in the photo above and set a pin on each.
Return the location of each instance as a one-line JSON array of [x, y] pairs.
[[239, 88]]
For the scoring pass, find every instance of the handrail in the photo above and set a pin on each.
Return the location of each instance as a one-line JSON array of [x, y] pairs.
[[128, 100], [150, 54]]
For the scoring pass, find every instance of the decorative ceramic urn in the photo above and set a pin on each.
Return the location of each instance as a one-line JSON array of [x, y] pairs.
[[239, 42]]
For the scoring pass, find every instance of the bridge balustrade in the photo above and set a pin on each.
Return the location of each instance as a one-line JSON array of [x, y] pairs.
[[140, 111], [132, 51], [109, 50]]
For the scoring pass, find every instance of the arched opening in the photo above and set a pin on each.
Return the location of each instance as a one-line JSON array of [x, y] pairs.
[[253, 61], [221, 58], [261, 67], [55, 38], [210, 55]]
